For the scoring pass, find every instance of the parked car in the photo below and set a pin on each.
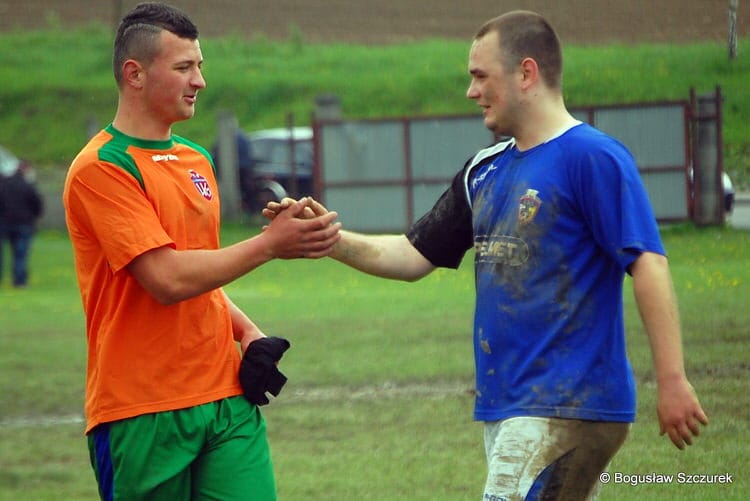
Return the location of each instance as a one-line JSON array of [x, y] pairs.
[[266, 171], [728, 193], [728, 190]]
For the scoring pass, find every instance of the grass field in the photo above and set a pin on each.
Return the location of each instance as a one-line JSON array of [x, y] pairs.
[[378, 406]]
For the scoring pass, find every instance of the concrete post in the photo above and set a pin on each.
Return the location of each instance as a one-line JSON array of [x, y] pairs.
[[733, 29], [708, 159], [229, 185]]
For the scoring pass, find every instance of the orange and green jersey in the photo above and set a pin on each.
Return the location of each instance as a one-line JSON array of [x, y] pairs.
[[125, 196]]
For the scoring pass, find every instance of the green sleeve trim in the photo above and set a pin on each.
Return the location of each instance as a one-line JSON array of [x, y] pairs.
[[115, 153], [123, 161]]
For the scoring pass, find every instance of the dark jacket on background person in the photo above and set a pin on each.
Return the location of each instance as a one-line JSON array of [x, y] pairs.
[[20, 201]]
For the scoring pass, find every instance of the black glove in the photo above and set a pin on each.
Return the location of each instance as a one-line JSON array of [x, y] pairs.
[[258, 371]]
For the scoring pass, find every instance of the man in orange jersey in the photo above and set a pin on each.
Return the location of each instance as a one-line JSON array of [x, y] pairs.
[[165, 415]]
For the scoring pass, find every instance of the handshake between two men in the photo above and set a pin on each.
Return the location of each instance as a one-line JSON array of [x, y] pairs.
[[301, 228], [311, 208]]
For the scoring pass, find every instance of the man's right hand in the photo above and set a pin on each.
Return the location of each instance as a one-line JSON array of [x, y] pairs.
[[301, 228]]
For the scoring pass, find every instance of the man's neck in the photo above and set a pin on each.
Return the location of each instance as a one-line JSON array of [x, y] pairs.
[[141, 125], [544, 123]]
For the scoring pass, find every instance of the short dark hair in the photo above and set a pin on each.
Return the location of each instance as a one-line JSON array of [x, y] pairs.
[[527, 34], [138, 32]]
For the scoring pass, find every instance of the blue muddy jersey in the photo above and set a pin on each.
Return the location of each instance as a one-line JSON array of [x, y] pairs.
[[554, 230]]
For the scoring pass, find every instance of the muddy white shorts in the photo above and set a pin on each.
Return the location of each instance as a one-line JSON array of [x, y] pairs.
[[533, 458]]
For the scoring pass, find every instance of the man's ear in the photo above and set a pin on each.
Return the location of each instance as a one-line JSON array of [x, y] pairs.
[[132, 73], [529, 73]]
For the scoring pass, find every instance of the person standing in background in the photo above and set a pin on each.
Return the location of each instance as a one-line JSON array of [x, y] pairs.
[[21, 206]]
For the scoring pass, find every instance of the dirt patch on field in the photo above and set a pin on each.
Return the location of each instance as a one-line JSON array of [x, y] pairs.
[[391, 21]]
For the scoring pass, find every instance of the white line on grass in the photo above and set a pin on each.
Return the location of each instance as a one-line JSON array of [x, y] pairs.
[[295, 396]]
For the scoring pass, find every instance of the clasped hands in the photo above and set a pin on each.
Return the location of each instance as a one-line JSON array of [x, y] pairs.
[[300, 228]]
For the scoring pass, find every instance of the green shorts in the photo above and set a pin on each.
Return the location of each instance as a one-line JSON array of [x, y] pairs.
[[212, 451]]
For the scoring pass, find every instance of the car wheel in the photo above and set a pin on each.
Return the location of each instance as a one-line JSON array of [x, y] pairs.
[[269, 191]]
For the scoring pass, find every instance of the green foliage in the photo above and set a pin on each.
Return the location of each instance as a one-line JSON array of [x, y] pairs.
[[56, 81], [378, 404]]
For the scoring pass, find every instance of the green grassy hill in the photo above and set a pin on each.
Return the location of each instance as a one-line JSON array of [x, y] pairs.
[[57, 83]]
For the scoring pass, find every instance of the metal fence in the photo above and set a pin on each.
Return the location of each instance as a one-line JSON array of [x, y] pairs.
[[383, 174]]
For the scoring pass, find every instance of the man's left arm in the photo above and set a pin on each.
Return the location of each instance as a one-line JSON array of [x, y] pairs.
[[678, 408], [259, 374], [244, 330]]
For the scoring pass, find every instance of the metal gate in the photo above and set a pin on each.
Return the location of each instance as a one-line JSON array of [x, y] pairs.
[[383, 174]]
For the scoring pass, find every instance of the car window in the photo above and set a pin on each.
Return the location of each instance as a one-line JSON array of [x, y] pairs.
[[262, 149], [276, 151]]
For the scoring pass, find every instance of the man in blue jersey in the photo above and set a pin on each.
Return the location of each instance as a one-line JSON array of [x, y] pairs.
[[557, 216]]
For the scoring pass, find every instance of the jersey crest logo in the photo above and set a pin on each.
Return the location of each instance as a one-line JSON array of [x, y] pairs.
[[528, 207], [201, 184]]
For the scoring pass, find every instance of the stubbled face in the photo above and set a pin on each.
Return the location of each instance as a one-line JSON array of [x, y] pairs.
[[173, 79], [492, 86]]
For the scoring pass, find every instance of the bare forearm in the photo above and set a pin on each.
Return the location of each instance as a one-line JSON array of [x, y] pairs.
[[244, 330], [172, 276], [657, 304], [677, 406], [387, 256]]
